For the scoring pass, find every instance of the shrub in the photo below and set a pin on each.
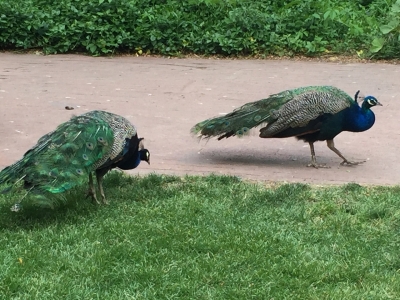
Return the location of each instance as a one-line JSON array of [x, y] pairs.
[[390, 34], [171, 27]]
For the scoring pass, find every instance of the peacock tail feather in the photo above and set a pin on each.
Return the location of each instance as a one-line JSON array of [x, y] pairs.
[[63, 158], [290, 108]]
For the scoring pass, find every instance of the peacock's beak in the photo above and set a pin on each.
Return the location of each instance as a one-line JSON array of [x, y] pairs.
[[379, 104]]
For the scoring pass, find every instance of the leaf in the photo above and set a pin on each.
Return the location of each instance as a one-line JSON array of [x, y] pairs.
[[385, 29], [92, 48], [396, 7], [101, 1], [377, 44]]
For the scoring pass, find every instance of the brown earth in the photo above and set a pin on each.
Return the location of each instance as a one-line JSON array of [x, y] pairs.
[[164, 98]]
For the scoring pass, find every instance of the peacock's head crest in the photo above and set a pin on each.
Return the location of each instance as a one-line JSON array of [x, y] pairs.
[[359, 97], [370, 101]]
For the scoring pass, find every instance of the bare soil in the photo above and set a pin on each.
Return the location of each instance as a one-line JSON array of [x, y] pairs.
[[165, 97]]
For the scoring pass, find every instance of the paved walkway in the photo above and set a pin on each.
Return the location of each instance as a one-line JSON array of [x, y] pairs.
[[164, 98]]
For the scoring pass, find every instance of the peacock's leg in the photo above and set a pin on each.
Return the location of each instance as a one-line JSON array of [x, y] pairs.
[[313, 159], [92, 191], [99, 175], [331, 145]]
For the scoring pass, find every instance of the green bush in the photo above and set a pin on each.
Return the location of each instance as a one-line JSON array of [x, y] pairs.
[[390, 34], [172, 27]]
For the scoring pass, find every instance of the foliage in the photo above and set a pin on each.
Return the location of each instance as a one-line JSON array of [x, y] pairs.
[[213, 237], [173, 27], [391, 33]]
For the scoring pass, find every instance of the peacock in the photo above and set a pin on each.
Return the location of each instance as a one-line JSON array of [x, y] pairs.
[[96, 141], [312, 113]]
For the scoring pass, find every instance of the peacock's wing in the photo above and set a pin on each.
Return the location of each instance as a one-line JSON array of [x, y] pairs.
[[63, 158], [305, 105], [124, 136]]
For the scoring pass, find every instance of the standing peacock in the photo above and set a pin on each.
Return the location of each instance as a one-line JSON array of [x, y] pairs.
[[97, 141], [313, 113]]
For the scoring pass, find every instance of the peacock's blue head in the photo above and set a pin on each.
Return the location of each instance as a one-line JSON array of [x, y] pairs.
[[370, 101], [145, 155]]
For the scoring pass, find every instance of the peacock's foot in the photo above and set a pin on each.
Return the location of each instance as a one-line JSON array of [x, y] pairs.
[[317, 166], [92, 195], [351, 163], [16, 207], [103, 196]]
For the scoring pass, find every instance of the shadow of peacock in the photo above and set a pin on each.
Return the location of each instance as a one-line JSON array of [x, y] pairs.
[[313, 113], [97, 141]]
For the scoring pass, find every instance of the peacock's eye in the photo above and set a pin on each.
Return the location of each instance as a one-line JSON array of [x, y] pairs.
[[89, 145]]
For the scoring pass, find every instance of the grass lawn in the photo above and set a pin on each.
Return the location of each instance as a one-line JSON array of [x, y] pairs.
[[214, 237]]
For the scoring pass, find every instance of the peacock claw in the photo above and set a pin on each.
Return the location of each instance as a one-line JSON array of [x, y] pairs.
[[103, 198], [16, 207], [317, 166], [91, 194], [351, 163]]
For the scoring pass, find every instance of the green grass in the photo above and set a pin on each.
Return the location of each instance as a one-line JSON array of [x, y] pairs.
[[212, 237]]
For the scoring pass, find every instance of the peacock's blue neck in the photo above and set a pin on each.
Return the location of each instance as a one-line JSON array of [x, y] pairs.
[[359, 118], [132, 163], [135, 160]]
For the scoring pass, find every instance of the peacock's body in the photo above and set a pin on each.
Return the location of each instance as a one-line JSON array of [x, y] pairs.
[[314, 113], [96, 141]]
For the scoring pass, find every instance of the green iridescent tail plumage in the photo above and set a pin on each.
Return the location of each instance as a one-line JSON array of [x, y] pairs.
[[240, 121], [63, 158]]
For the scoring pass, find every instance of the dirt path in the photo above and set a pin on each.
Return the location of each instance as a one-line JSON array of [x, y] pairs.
[[164, 98]]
